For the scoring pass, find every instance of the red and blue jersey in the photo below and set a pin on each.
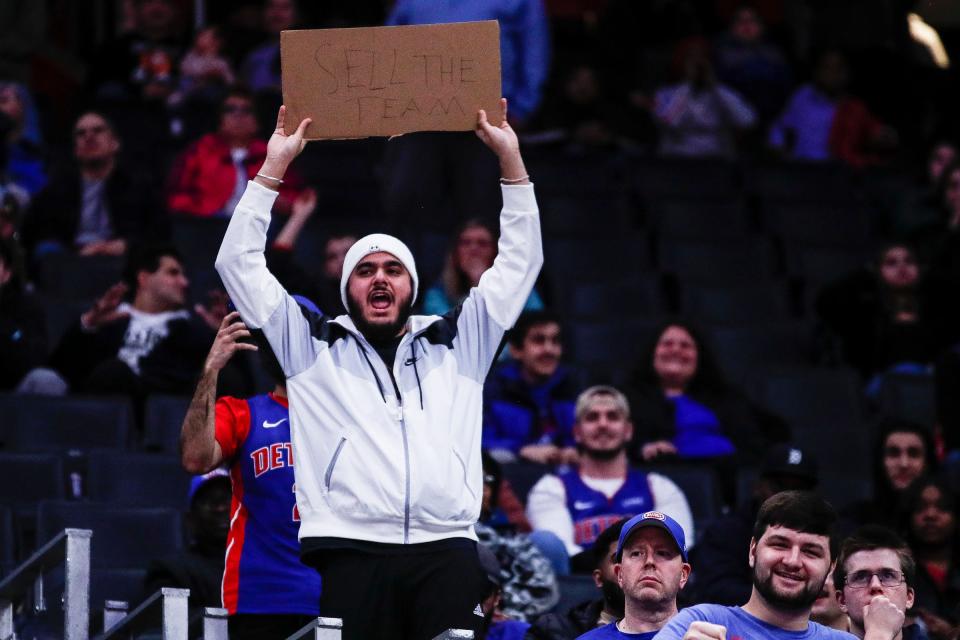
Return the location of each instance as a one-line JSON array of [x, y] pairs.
[[592, 511], [263, 572]]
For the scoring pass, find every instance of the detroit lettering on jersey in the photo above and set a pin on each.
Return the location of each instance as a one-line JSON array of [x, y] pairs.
[[263, 573], [592, 511]]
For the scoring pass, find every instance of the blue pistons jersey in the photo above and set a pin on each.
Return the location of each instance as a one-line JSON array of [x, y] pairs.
[[263, 573], [593, 512]]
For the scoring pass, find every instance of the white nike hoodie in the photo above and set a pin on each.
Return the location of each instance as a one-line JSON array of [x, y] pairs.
[[370, 465]]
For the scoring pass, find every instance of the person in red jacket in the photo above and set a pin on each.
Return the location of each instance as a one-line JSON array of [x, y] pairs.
[[210, 175]]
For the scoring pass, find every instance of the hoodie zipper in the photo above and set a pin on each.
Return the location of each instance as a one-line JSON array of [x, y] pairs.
[[403, 433]]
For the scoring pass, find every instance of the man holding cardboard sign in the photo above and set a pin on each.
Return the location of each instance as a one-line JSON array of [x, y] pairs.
[[386, 406]]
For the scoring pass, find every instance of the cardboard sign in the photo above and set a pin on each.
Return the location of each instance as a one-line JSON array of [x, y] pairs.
[[384, 81]]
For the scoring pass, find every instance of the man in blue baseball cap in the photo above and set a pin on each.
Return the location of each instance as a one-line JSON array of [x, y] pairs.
[[651, 569]]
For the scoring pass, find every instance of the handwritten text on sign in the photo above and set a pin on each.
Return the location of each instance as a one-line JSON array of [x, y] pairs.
[[383, 81]]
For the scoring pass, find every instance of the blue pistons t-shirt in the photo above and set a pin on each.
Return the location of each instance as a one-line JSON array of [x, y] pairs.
[[743, 626], [611, 632]]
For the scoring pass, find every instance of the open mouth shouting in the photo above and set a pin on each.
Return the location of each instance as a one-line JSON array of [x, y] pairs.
[[380, 299]]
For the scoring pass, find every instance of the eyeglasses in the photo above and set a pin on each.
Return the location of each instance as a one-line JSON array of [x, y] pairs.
[[862, 579]]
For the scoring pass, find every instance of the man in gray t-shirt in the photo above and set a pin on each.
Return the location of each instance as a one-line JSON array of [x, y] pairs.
[[791, 553]]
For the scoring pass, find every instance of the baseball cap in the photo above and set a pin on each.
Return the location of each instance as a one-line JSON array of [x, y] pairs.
[[199, 481], [789, 460], [653, 519]]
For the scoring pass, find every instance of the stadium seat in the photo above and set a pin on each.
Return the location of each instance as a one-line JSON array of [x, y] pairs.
[[742, 349], [592, 259], [555, 173], [137, 479], [27, 478], [695, 219], [814, 181], [44, 423], [163, 417], [610, 346], [61, 314], [699, 484], [578, 216], [726, 262], [908, 397], [8, 541], [748, 303], [123, 537], [818, 265], [198, 240], [631, 297], [574, 590], [522, 476], [691, 179], [66, 275], [847, 226]]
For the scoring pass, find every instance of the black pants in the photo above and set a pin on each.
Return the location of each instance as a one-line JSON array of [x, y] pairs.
[[406, 596], [243, 626]]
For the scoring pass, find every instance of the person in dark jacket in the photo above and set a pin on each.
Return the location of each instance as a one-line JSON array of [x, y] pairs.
[[529, 401], [23, 336], [151, 344], [200, 566], [723, 575], [96, 206], [590, 614], [685, 409]]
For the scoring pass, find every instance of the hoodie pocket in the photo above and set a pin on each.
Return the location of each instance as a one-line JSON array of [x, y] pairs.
[[328, 474]]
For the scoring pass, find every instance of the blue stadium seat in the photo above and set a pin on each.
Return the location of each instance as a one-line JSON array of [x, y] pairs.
[[629, 297], [65, 275], [8, 541], [522, 476], [137, 479], [741, 349], [812, 182], [611, 346], [198, 240], [61, 314], [592, 259], [592, 215], [817, 265], [699, 485], [726, 262], [163, 417], [123, 537], [44, 423], [821, 225], [696, 219], [748, 303], [908, 397], [687, 178], [553, 173], [27, 478], [574, 590]]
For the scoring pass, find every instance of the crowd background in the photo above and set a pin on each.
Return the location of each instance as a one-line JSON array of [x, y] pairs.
[[751, 217]]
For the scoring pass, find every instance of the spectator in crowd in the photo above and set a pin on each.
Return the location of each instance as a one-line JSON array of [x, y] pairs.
[[932, 535], [205, 74], [945, 243], [97, 205], [750, 64], [340, 386], [446, 175], [199, 567], [685, 409], [267, 591], [497, 624], [723, 575], [209, 176], [579, 503], [25, 157], [23, 336], [473, 251], [149, 344], [874, 578], [885, 316], [324, 287], [946, 382], [791, 553], [904, 453], [588, 615], [528, 401], [500, 509], [919, 215], [699, 117], [826, 609], [822, 122], [141, 65], [651, 570], [14, 199], [261, 67]]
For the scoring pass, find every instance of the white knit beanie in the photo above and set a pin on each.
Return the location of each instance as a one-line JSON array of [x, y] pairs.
[[374, 243]]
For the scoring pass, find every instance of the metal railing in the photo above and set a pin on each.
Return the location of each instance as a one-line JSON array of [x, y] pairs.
[[166, 611], [332, 629], [71, 548]]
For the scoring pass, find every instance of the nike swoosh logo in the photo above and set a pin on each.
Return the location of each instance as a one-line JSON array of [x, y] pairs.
[[582, 505], [271, 425]]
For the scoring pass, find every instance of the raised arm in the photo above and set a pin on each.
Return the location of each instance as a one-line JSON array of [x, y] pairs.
[[199, 450], [242, 265]]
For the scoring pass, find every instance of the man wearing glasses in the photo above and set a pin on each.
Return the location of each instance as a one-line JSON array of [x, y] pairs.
[[874, 580]]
